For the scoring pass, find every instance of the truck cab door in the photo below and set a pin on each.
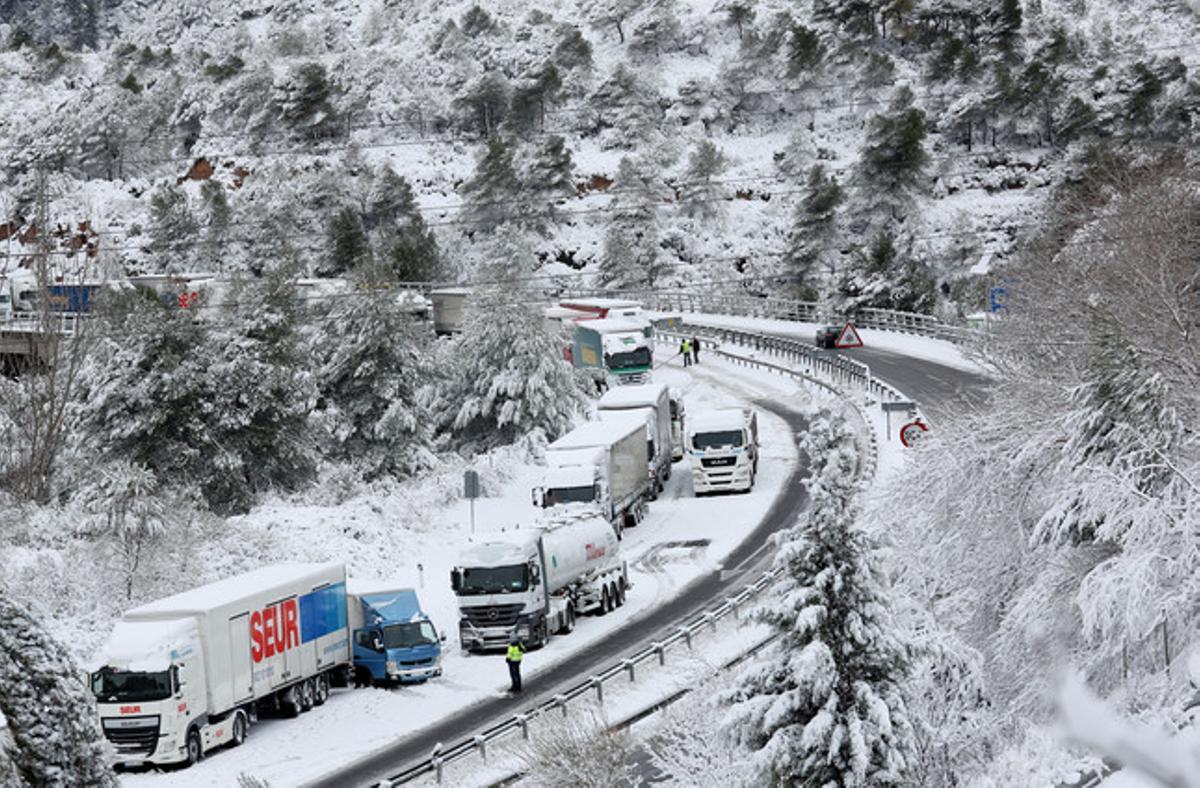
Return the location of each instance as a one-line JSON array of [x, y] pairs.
[[367, 655]]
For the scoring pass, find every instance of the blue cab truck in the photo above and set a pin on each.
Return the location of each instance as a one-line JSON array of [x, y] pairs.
[[394, 640]]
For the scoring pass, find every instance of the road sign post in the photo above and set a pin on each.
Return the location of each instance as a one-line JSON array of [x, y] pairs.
[[900, 406], [471, 492]]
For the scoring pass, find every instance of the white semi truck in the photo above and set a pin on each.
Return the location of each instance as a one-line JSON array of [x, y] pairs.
[[602, 463], [533, 582], [188, 673], [723, 446], [651, 401]]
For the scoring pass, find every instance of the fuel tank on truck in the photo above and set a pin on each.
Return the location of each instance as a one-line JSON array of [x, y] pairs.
[[576, 546]]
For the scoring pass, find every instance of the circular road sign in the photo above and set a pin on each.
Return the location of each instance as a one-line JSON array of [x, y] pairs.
[[911, 433]]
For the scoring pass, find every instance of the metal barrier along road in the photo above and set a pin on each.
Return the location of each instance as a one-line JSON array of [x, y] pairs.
[[625, 669]]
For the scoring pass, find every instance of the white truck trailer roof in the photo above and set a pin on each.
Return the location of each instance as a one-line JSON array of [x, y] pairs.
[[635, 396], [599, 433], [224, 592]]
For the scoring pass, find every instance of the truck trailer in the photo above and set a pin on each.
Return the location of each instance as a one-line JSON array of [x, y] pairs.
[[652, 401], [723, 446], [533, 582], [395, 642], [601, 463], [188, 673]]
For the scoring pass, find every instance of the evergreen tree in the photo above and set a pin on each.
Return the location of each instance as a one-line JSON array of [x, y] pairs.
[[572, 51], [483, 104], [739, 13], [174, 230], [348, 246], [366, 373], [216, 225], [1006, 28], [813, 236], [547, 180], [50, 716], [509, 377], [305, 102], [529, 99], [826, 707], [892, 160], [804, 50], [604, 13], [657, 30], [855, 17], [625, 107], [404, 242], [700, 197], [631, 242], [490, 193]]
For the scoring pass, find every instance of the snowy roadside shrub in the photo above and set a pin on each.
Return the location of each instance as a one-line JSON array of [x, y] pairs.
[[579, 751]]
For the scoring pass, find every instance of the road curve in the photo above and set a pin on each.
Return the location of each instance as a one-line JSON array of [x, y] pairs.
[[695, 598]]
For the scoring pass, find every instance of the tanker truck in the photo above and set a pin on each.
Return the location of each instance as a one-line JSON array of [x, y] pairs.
[[533, 582], [601, 463]]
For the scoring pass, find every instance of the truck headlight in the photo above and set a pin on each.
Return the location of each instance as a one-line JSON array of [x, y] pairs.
[[392, 666]]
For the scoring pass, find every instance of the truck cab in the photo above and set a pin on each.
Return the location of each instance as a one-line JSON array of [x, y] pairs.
[[395, 642], [500, 592], [723, 447], [151, 695]]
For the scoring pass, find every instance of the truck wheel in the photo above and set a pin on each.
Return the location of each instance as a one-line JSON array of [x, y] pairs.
[[239, 729], [304, 694], [194, 751], [289, 701], [605, 604], [620, 593], [570, 625], [612, 598], [321, 690]]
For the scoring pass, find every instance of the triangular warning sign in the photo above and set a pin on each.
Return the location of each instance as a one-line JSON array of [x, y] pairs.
[[849, 337]]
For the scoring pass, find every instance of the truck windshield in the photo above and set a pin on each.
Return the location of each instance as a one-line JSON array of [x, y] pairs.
[[494, 580], [417, 633], [559, 495], [638, 357], [712, 440], [110, 685]]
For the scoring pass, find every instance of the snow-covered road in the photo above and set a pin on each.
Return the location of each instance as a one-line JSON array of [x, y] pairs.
[[355, 723]]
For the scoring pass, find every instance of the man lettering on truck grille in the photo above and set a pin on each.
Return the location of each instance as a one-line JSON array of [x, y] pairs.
[[515, 651]]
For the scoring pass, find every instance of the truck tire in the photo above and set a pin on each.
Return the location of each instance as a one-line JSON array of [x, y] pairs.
[[612, 597], [239, 729], [569, 626], [620, 593], [304, 694], [289, 701], [605, 604], [321, 690], [194, 751]]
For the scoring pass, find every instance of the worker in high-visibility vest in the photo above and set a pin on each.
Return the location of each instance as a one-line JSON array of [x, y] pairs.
[[516, 650]]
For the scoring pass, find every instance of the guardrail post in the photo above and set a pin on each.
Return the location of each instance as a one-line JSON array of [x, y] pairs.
[[711, 620], [686, 634], [438, 767], [661, 652], [523, 724], [561, 702], [597, 685], [629, 666], [481, 745], [733, 603]]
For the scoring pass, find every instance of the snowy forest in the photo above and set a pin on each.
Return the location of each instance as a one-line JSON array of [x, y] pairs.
[[901, 154]]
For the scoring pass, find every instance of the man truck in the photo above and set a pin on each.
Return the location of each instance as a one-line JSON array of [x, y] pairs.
[[600, 463], [723, 445], [190, 672], [533, 582], [395, 642], [652, 401]]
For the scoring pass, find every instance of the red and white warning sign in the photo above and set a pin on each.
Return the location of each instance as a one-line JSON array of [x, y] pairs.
[[912, 433], [849, 336]]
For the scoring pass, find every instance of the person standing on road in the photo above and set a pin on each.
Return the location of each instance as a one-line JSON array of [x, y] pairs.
[[516, 650], [685, 347], [695, 350]]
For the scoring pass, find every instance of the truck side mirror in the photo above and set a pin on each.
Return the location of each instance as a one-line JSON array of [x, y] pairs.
[[537, 495], [535, 575], [455, 580], [442, 638]]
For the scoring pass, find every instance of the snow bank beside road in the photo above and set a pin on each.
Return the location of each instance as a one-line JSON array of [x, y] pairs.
[[357, 722]]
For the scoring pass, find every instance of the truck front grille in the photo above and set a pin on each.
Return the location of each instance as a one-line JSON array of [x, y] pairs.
[[132, 735], [417, 663], [717, 462], [492, 615]]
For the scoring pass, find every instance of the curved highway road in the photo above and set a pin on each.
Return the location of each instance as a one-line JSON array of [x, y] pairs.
[[695, 598], [938, 388]]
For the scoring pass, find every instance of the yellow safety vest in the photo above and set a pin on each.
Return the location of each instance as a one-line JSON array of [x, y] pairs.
[[515, 653]]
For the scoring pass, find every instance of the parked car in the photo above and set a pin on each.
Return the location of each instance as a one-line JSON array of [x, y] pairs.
[[827, 336]]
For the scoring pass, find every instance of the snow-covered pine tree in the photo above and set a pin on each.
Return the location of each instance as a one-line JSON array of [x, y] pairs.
[[537, 89], [812, 241], [174, 230], [700, 197], [508, 377], [548, 178], [216, 223], [892, 159], [657, 30], [305, 99], [826, 707], [367, 370], [404, 244], [52, 720], [626, 107], [491, 191], [631, 245], [483, 104]]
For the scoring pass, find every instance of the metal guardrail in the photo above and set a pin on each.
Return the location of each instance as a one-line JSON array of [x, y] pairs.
[[625, 668], [59, 322]]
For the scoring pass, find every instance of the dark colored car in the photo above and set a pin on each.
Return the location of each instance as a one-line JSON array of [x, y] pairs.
[[827, 336]]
